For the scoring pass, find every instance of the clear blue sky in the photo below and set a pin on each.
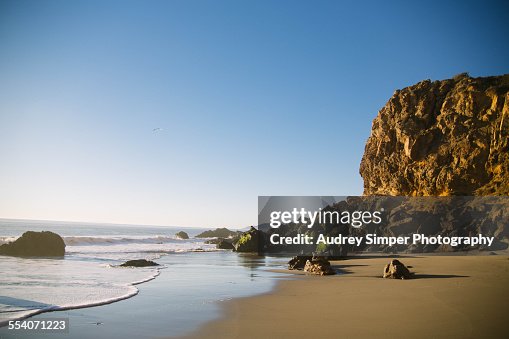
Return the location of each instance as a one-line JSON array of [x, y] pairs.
[[253, 98]]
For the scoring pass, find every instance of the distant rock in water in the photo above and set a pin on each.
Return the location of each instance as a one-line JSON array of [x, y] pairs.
[[139, 263], [447, 137], [35, 244], [182, 235], [396, 270], [218, 233], [213, 241]]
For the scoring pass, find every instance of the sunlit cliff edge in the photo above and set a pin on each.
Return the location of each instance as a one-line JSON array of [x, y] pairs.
[[448, 137]]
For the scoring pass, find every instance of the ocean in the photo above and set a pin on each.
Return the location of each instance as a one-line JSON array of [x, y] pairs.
[[192, 280]]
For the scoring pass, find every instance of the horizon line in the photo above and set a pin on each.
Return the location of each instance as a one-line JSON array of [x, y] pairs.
[[116, 224]]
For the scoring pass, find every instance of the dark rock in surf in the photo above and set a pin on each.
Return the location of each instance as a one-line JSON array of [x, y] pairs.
[[139, 263], [224, 245], [35, 244], [182, 235]]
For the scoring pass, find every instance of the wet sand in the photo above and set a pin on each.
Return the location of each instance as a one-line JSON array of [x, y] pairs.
[[450, 297]]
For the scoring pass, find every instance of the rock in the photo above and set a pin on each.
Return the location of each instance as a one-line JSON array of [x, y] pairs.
[[218, 233], [139, 263], [447, 137], [182, 235], [250, 241], [396, 270], [318, 266], [35, 244], [213, 241], [224, 245], [298, 262]]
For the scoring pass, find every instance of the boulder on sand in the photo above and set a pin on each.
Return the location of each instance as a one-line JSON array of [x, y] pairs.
[[35, 244], [318, 266], [298, 262], [396, 270]]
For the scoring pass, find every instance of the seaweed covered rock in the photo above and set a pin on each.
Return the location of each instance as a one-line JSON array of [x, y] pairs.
[[139, 263], [35, 244], [250, 241], [318, 266], [396, 270]]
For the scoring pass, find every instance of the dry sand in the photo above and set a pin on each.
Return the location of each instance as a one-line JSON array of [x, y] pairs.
[[450, 297]]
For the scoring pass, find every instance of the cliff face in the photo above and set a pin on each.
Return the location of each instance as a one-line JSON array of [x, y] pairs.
[[447, 137]]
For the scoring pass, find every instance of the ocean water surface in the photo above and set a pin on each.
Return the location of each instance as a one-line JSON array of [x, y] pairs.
[[174, 298]]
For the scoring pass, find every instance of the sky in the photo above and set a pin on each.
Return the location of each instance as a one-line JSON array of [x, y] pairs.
[[182, 113]]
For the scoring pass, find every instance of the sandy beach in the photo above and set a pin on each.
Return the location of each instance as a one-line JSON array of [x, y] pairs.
[[450, 297]]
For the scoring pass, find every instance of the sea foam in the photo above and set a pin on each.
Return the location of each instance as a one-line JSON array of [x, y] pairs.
[[88, 275], [33, 286]]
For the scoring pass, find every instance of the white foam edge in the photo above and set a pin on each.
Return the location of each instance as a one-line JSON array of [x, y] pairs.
[[135, 291]]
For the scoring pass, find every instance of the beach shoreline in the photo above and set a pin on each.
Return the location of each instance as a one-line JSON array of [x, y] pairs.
[[450, 297], [187, 293]]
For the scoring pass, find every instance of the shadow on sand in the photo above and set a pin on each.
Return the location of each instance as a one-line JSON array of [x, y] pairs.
[[438, 276]]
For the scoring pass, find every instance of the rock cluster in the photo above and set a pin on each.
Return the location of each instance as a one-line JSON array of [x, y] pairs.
[[396, 270], [35, 244], [447, 137]]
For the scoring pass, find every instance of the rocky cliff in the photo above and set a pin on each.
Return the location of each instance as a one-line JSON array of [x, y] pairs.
[[438, 138]]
